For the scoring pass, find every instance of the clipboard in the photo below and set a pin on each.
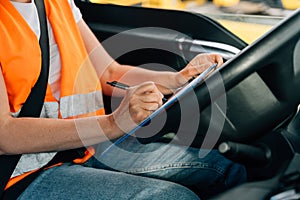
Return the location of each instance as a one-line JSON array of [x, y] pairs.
[[181, 92]]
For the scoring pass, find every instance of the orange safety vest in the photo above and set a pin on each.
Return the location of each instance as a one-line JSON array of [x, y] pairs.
[[20, 62], [20, 58]]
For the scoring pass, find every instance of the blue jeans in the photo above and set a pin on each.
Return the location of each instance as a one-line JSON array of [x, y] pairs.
[[136, 171]]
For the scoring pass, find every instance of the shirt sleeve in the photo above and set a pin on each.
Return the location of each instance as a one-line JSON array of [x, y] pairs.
[[76, 12]]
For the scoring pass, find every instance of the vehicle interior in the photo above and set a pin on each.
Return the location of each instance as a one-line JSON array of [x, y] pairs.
[[255, 95]]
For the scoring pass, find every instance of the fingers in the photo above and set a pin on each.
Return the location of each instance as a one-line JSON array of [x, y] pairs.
[[144, 99], [147, 88], [217, 59], [139, 102], [147, 93], [200, 63], [209, 59]]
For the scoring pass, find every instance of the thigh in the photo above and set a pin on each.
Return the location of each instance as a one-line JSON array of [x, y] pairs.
[[181, 164], [77, 182]]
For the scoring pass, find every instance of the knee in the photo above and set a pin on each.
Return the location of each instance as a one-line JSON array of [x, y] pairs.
[[236, 174], [230, 172]]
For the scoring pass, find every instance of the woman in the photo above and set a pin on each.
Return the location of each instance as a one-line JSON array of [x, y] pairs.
[[73, 115]]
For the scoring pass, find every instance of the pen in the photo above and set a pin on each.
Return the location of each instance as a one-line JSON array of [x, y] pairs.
[[125, 87], [118, 85]]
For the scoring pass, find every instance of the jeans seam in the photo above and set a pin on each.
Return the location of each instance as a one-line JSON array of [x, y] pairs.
[[192, 165]]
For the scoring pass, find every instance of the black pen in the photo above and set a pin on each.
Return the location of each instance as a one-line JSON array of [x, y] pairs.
[[125, 87], [118, 85]]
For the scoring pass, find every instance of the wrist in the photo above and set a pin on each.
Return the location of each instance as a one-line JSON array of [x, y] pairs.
[[179, 80], [110, 127]]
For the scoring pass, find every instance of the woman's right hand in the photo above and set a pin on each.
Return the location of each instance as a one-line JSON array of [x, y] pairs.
[[139, 102]]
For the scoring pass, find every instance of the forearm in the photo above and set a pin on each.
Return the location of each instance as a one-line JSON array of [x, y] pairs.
[[29, 135], [165, 80]]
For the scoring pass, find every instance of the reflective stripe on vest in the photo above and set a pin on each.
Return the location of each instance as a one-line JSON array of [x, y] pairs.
[[80, 104], [49, 110], [20, 60]]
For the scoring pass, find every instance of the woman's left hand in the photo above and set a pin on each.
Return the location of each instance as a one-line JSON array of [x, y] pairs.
[[197, 65]]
